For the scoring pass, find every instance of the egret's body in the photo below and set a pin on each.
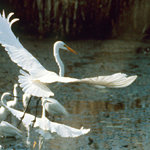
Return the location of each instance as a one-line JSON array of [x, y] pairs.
[[14, 102], [53, 107], [45, 126], [8, 130], [34, 82]]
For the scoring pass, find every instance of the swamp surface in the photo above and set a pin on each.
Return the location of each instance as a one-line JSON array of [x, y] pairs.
[[118, 118]]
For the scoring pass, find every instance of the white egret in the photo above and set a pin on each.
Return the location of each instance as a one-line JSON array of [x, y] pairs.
[[13, 103], [44, 126], [8, 130], [3, 111], [53, 107], [34, 82]]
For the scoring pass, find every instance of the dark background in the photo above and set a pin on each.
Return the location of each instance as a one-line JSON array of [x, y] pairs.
[[100, 19]]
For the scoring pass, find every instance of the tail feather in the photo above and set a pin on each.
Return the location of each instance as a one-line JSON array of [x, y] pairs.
[[35, 88], [117, 80]]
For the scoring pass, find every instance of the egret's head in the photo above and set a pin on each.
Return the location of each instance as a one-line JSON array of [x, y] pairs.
[[46, 100], [3, 97], [62, 45], [15, 85]]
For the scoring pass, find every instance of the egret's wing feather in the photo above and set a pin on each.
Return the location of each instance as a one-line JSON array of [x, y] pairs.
[[46, 125], [14, 48], [33, 87], [117, 80], [18, 114], [67, 131], [61, 129]]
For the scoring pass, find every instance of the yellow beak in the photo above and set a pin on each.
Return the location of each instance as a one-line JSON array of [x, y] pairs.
[[70, 49]]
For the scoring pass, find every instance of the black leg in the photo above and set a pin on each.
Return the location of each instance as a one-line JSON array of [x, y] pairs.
[[35, 112], [24, 112]]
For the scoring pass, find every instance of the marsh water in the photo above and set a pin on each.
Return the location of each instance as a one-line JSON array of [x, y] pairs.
[[118, 118]]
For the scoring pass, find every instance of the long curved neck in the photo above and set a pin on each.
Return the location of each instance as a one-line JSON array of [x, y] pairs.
[[59, 61], [15, 94], [3, 99], [43, 111]]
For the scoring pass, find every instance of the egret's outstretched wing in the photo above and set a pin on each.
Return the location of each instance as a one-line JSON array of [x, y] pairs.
[[117, 80], [46, 125], [61, 129], [67, 131], [14, 48], [18, 114], [33, 87]]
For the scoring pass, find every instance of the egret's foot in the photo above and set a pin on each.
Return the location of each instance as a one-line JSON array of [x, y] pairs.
[[33, 122]]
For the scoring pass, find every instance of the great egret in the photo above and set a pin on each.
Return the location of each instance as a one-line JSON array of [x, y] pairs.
[[53, 107], [3, 111], [34, 82], [8, 130], [13, 103], [44, 125]]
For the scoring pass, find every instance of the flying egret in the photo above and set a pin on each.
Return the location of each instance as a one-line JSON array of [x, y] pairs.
[[13, 103], [34, 82], [44, 126], [53, 107]]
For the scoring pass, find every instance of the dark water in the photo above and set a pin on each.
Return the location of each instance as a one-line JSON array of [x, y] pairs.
[[118, 118]]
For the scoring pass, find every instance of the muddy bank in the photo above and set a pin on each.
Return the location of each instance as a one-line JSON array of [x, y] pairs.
[[118, 118]]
